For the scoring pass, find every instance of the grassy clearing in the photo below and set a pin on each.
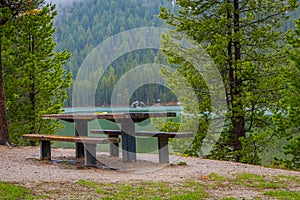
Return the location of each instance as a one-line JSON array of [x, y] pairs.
[[212, 186]]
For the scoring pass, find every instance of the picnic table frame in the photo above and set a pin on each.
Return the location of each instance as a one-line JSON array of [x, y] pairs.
[[126, 120]]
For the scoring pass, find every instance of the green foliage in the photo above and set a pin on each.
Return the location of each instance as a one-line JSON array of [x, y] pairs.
[[35, 82], [244, 41], [170, 126], [288, 120], [9, 11]]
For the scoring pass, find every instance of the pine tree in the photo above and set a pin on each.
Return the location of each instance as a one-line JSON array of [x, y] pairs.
[[9, 10], [294, 109], [288, 120], [35, 80], [243, 39]]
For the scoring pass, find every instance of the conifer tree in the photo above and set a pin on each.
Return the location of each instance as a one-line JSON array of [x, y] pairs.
[[294, 105], [287, 121], [243, 39], [9, 10], [35, 80]]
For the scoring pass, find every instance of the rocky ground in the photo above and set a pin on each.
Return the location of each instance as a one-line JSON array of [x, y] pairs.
[[22, 165]]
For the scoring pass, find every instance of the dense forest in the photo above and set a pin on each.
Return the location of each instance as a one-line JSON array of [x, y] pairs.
[[82, 25]]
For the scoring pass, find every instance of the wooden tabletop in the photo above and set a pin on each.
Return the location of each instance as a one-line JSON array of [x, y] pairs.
[[134, 116]]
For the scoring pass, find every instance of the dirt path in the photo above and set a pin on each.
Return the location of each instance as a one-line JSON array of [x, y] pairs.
[[22, 165]]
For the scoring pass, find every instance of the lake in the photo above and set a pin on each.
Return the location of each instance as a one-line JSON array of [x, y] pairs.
[[176, 109], [144, 145]]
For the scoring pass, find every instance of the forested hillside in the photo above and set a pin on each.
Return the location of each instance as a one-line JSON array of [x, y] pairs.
[[82, 25]]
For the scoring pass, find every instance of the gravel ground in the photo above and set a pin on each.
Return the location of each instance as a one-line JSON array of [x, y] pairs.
[[22, 165]]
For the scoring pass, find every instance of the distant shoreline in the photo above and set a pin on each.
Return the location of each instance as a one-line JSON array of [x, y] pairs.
[[154, 108]]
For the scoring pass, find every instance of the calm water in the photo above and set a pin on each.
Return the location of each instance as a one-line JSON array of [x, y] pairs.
[[143, 144], [124, 109]]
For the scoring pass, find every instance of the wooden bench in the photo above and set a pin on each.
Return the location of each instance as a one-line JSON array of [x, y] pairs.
[[162, 138], [89, 149]]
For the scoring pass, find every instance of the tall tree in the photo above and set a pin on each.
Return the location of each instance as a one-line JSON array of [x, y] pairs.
[[294, 99], [243, 39], [288, 120], [35, 79], [8, 11]]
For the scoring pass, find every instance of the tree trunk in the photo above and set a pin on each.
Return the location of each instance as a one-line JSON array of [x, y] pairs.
[[235, 82], [238, 120], [32, 94], [4, 137]]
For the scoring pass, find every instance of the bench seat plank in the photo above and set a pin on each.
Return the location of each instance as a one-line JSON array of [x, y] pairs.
[[83, 139], [89, 149]]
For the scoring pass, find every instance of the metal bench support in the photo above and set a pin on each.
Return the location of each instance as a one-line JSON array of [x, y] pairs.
[[162, 137], [81, 129], [114, 148], [90, 155], [45, 149], [163, 148], [128, 140]]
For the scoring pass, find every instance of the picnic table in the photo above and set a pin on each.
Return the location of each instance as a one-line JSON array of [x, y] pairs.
[[126, 120]]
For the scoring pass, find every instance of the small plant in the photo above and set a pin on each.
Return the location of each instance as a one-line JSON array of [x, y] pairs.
[[181, 163]]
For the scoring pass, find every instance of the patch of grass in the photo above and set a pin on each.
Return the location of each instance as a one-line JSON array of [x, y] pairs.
[[12, 191], [257, 181], [270, 185], [264, 185], [283, 194], [87, 183], [284, 178], [148, 190], [250, 177], [181, 163], [217, 177]]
